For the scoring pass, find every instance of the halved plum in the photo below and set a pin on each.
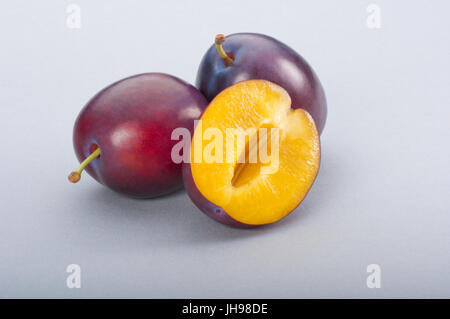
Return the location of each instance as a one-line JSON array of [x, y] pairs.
[[224, 177]]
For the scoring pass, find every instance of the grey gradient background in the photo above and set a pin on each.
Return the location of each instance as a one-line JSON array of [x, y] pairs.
[[382, 195]]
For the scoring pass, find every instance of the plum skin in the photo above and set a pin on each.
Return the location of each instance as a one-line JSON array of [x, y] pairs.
[[131, 121], [257, 56]]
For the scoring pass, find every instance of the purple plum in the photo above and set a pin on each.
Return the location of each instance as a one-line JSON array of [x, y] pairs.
[[123, 134], [246, 56]]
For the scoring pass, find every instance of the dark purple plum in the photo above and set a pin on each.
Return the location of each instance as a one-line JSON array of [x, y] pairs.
[[247, 56], [123, 134]]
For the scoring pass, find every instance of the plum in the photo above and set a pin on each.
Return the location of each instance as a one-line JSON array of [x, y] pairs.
[[123, 134], [232, 188], [246, 56]]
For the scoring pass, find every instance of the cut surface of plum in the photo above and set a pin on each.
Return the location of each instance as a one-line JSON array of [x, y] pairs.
[[261, 190]]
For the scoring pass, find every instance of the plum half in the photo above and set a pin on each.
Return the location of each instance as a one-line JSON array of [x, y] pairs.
[[243, 191]]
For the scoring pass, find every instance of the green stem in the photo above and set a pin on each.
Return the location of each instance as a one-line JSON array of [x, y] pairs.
[[220, 39], [76, 175]]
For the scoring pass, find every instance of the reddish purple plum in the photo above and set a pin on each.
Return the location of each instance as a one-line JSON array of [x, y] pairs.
[[123, 134], [248, 56]]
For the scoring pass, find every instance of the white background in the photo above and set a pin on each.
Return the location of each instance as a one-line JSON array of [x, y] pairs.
[[382, 195]]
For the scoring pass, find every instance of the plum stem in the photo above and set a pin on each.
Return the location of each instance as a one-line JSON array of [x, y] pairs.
[[76, 175], [220, 39]]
